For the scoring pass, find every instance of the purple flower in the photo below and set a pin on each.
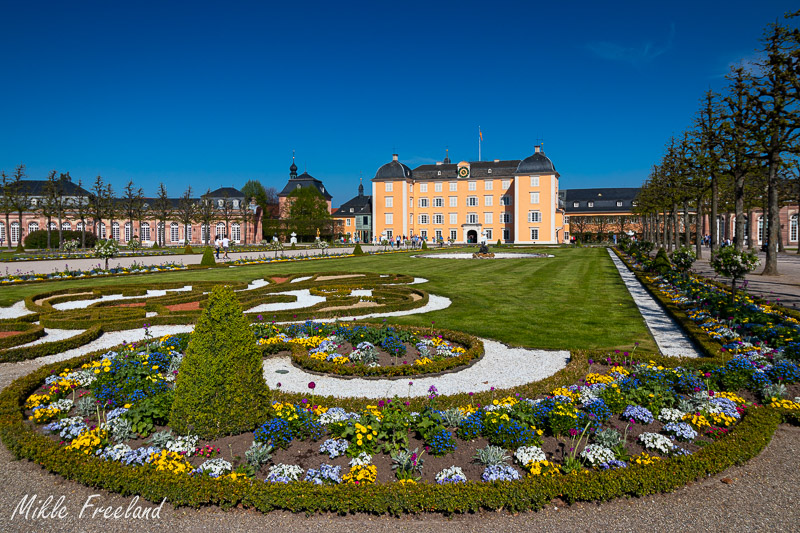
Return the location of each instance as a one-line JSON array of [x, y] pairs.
[[312, 385]]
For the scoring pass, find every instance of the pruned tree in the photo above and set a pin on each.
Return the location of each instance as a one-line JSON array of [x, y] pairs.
[[162, 207], [187, 212]]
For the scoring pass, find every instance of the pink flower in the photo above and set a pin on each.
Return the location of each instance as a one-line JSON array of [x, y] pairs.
[[312, 385]]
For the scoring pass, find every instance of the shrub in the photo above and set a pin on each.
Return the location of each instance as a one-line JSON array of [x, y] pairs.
[[38, 238], [208, 257], [188, 249], [220, 389], [357, 250], [424, 245], [106, 249], [732, 264], [499, 244], [661, 263]]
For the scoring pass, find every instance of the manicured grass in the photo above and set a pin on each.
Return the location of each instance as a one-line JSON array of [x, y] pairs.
[[575, 300]]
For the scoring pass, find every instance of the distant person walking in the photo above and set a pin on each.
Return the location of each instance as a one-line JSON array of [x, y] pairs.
[[226, 243], [217, 245]]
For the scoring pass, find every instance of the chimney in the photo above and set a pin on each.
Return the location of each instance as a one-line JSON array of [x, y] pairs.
[[394, 157], [496, 160], [536, 149]]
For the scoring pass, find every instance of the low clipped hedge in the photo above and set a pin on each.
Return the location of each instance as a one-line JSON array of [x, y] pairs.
[[50, 348], [745, 441], [26, 332], [473, 354]]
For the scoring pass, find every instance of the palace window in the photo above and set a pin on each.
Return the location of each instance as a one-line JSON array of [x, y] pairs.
[[505, 218], [389, 201], [389, 219], [534, 197], [793, 228], [423, 219], [534, 181], [438, 202], [145, 230], [472, 201], [423, 202], [505, 200], [487, 218], [534, 234], [488, 234], [454, 234], [453, 201], [534, 216], [505, 184], [438, 218], [389, 186], [487, 200], [423, 187], [473, 185], [174, 232], [454, 218], [453, 185], [236, 231], [437, 187], [472, 218]]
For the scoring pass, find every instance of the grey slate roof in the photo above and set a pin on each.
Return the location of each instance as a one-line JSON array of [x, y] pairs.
[[39, 188], [222, 192], [393, 170], [477, 169], [536, 163], [604, 200], [305, 180], [360, 205]]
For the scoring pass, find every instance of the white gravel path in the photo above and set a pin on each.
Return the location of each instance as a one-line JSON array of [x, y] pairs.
[[15, 311], [669, 336], [298, 280], [53, 335], [83, 304], [304, 299], [255, 284], [501, 367]]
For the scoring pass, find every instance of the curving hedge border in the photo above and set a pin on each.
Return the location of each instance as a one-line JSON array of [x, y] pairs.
[[745, 441], [50, 348], [26, 332], [473, 354]]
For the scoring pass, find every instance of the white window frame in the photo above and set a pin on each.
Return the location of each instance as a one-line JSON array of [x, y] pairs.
[[793, 228], [438, 218], [506, 234], [388, 219], [423, 219], [454, 234], [438, 202], [505, 200], [534, 234], [144, 231], [423, 202], [472, 218], [453, 201], [506, 218], [534, 216], [454, 218], [488, 185], [488, 234], [174, 232], [535, 198], [576, 204], [534, 181], [505, 184], [454, 186], [472, 186], [437, 187], [488, 218], [388, 186], [487, 200], [423, 187], [236, 232], [389, 201], [472, 201], [438, 235]]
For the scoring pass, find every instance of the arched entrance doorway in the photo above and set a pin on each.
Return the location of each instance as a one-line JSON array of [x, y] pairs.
[[472, 236]]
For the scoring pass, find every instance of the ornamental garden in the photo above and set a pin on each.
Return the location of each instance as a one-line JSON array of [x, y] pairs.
[[188, 412]]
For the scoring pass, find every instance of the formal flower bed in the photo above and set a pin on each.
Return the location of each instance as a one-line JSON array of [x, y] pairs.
[[736, 321], [113, 410], [95, 272], [369, 350]]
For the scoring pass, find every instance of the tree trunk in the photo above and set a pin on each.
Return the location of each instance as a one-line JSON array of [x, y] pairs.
[[698, 238], [60, 230], [49, 219], [714, 214], [771, 263], [686, 227], [664, 231], [738, 194]]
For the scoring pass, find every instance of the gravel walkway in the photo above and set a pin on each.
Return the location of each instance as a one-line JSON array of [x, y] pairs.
[[758, 496], [53, 335], [500, 367], [669, 336]]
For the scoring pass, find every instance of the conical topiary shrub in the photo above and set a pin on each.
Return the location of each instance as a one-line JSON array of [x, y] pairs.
[[357, 250], [220, 388], [208, 257], [188, 249], [424, 245]]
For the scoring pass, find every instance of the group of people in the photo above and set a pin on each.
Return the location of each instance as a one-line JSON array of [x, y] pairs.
[[415, 241], [224, 243]]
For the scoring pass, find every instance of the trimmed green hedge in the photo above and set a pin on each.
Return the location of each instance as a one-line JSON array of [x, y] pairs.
[[50, 348], [473, 354], [27, 332], [745, 441]]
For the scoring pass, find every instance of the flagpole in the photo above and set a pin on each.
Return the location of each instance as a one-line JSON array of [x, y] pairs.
[[479, 143]]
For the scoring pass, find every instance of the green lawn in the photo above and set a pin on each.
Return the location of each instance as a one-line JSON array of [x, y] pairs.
[[575, 300]]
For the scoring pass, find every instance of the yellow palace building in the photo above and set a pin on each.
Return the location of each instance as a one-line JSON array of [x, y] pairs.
[[514, 201]]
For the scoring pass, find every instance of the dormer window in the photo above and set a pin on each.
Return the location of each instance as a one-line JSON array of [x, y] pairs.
[[591, 204], [323, 189], [576, 204], [351, 209], [489, 171], [619, 203], [220, 202]]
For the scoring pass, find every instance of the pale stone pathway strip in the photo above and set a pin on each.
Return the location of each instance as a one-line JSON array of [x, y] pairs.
[[501, 367], [669, 336]]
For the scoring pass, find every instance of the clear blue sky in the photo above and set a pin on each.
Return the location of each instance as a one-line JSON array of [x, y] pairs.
[[214, 94]]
